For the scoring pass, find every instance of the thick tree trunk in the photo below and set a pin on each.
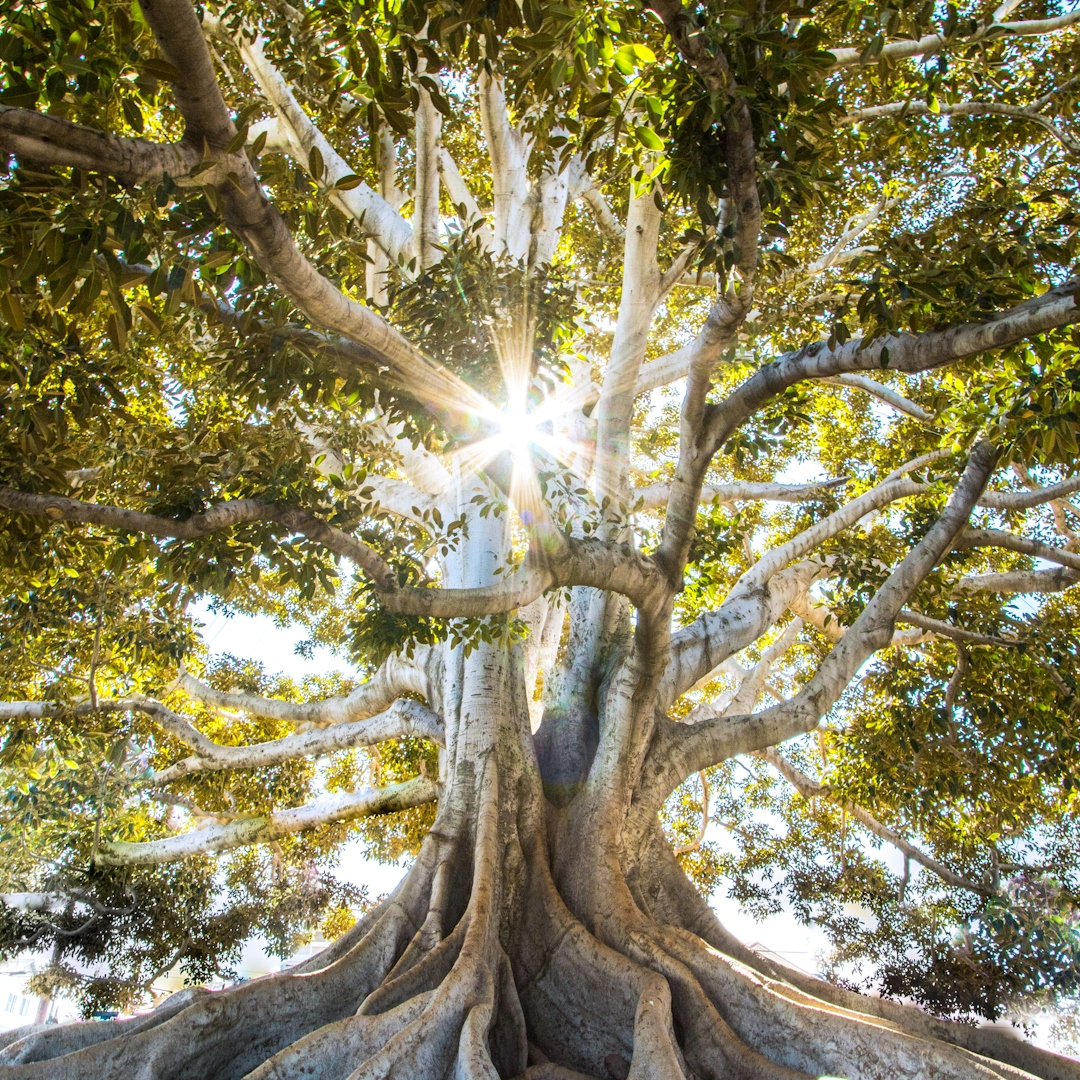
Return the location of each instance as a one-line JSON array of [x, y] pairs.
[[513, 948]]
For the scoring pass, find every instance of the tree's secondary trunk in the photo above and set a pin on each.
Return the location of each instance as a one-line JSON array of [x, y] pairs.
[[515, 946]]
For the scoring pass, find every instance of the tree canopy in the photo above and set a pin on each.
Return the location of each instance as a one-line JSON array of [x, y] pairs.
[[720, 363]]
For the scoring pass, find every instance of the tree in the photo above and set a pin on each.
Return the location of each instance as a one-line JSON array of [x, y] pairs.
[[234, 368]]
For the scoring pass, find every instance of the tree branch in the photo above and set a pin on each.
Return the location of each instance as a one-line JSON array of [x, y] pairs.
[[249, 214], [404, 717], [947, 630], [656, 495], [809, 789], [678, 751], [381, 221], [509, 151], [882, 393], [966, 108], [463, 198], [397, 675], [893, 352], [1018, 581], [1025, 500], [346, 806], [49, 140], [933, 43], [220, 516], [978, 538]]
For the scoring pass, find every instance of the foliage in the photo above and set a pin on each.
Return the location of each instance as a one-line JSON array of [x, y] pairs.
[[146, 361]]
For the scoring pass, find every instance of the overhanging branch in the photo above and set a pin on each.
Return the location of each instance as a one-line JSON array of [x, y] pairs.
[[810, 789], [346, 806]]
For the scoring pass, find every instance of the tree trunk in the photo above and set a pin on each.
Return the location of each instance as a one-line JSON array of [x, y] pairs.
[[518, 946]]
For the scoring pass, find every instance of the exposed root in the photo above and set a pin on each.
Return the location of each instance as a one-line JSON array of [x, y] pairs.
[[809, 1035], [227, 1034], [589, 1008], [43, 1042], [670, 898], [333, 1050]]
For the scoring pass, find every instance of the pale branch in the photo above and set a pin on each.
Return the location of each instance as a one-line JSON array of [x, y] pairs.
[[399, 498], [948, 630], [966, 108], [397, 675], [49, 140], [171, 722], [979, 538], [1018, 581], [749, 682], [678, 751], [427, 130], [934, 43], [615, 567], [509, 152], [220, 516], [882, 393], [346, 806], [249, 214], [914, 464], [463, 199], [656, 495], [638, 300], [832, 629], [604, 216], [713, 637], [551, 196], [895, 352], [424, 470], [810, 789], [663, 370], [1025, 500], [811, 538], [381, 221], [729, 311], [404, 718]]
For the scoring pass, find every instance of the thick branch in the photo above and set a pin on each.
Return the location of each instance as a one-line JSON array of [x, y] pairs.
[[933, 43], [656, 495], [822, 530], [249, 214], [396, 676], [404, 717], [261, 830], [895, 352], [679, 751], [49, 140], [809, 789], [221, 516], [1018, 581], [1025, 500], [700, 648], [977, 538], [381, 221], [967, 108]]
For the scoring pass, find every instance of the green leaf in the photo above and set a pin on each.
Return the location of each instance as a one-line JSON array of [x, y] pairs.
[[648, 138]]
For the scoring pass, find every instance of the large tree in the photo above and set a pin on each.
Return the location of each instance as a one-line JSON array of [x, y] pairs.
[[486, 341]]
